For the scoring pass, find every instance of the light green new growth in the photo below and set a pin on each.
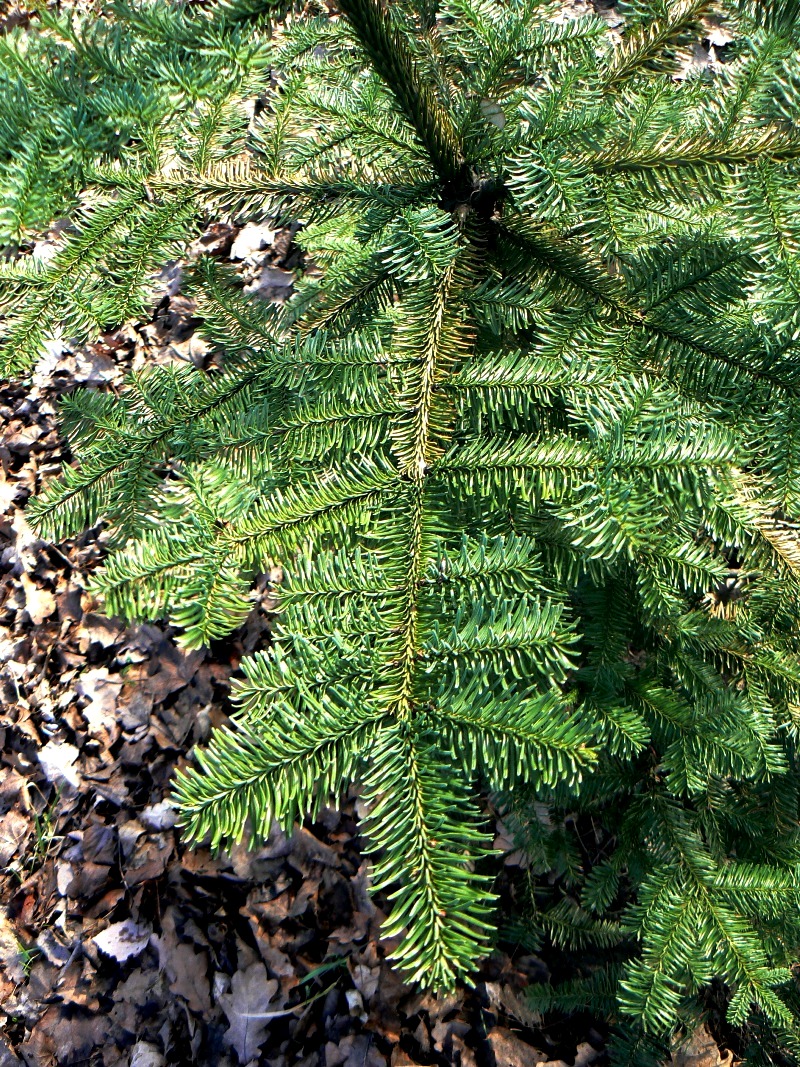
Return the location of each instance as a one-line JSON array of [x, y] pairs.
[[540, 407]]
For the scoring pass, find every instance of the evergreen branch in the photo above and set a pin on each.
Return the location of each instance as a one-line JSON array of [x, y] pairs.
[[742, 145], [322, 503], [587, 279], [127, 453], [247, 777], [38, 322], [416, 436], [648, 42], [532, 635], [244, 189], [514, 739], [427, 847], [391, 58]]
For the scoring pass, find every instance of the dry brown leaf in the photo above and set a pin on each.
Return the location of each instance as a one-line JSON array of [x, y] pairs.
[[354, 1051], [249, 1007], [102, 691], [145, 1054], [700, 1049], [503, 997], [40, 604], [14, 831], [11, 960], [57, 759], [189, 978], [10, 490], [124, 940], [97, 629], [250, 239], [512, 1051]]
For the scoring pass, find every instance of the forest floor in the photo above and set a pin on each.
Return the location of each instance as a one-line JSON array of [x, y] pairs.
[[118, 944]]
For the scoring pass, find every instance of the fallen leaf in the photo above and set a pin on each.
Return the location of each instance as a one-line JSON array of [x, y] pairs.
[[14, 830], [149, 859], [7, 1057], [18, 437], [247, 1007], [143, 1054], [699, 1049], [717, 34], [96, 629], [193, 350], [25, 541], [124, 940], [9, 492], [13, 789], [354, 1051], [102, 691], [186, 969], [39, 603], [511, 1051], [99, 843], [77, 985], [93, 366], [161, 816], [10, 954], [504, 997], [189, 978], [251, 238], [366, 980], [61, 1028], [399, 1059], [57, 759], [272, 283], [136, 997], [216, 240], [585, 1054], [445, 1033]]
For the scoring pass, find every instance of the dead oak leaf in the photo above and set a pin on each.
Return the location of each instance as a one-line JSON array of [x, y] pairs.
[[97, 629], [502, 997], [249, 1007], [190, 980], [186, 968], [63, 1035], [149, 859], [355, 1050]]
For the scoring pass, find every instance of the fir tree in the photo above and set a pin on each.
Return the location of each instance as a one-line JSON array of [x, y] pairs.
[[526, 449]]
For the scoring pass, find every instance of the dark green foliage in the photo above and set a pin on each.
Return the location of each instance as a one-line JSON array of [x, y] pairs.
[[527, 453], [159, 85]]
